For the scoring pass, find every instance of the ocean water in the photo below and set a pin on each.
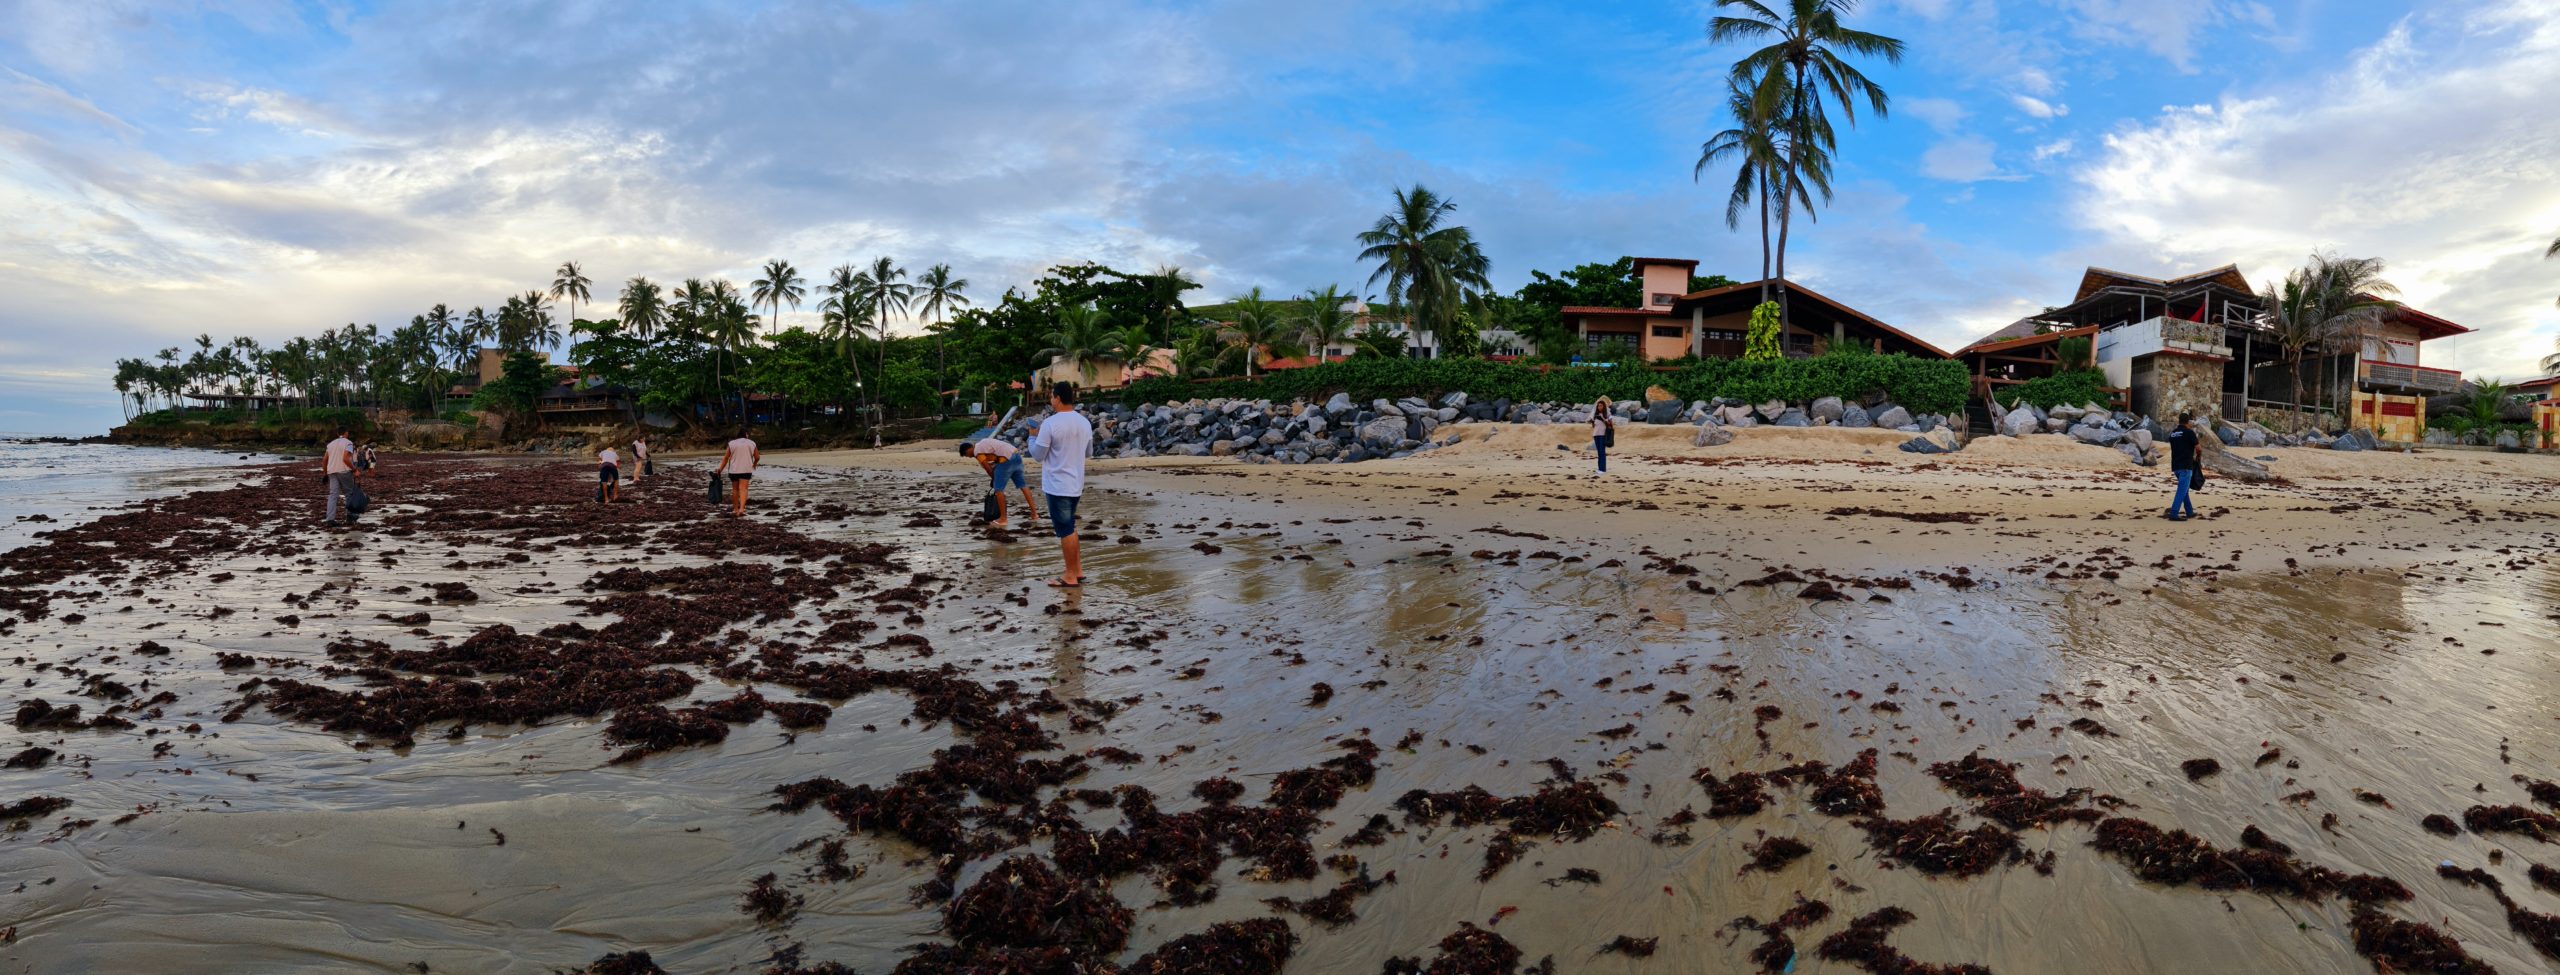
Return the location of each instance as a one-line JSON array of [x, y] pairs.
[[72, 482]]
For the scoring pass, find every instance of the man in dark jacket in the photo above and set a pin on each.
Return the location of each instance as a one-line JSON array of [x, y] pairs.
[[2183, 465]]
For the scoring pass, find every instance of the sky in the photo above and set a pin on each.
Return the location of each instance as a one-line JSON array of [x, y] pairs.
[[275, 167]]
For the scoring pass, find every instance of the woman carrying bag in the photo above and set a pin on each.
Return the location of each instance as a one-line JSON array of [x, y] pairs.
[[1604, 434]]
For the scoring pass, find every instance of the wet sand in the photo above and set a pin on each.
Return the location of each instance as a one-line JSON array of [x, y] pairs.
[[2382, 624]]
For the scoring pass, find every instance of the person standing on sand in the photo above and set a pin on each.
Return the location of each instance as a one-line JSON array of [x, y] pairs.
[[1060, 447], [608, 476], [1604, 432], [739, 462], [2183, 465], [639, 458], [338, 468], [1003, 464]]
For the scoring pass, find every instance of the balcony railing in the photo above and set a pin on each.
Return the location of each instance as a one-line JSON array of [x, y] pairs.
[[2410, 377]]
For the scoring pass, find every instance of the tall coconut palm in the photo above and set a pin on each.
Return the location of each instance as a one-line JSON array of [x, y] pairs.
[[643, 308], [1134, 346], [1083, 337], [938, 292], [1758, 149], [849, 315], [479, 327], [570, 283], [1427, 266], [2323, 303], [1325, 320], [781, 282], [886, 291], [535, 327], [1798, 73], [1260, 330], [1161, 300]]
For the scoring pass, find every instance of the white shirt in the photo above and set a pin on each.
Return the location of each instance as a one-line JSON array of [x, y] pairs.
[[342, 455], [610, 458], [1061, 444], [640, 450], [1599, 427], [992, 447], [742, 456]]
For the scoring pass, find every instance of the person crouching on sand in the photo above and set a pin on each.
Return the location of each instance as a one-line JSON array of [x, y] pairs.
[[608, 476], [2183, 466], [739, 462], [1003, 465], [1604, 433]]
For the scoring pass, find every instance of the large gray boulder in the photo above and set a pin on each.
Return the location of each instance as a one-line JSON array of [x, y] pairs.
[[1666, 411], [2228, 434], [1188, 450], [1383, 432], [1855, 417], [1339, 404], [1383, 408], [1537, 418], [1712, 435], [2356, 439], [1938, 441], [2506, 439], [2097, 433], [1794, 418], [2136, 454], [2020, 422], [1773, 409], [1454, 400], [1893, 418], [1826, 409]]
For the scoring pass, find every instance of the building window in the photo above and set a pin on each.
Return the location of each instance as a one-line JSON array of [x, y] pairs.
[[1663, 299], [1666, 331]]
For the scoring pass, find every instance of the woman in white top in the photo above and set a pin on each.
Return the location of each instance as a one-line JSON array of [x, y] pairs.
[[1604, 432], [739, 462], [639, 459]]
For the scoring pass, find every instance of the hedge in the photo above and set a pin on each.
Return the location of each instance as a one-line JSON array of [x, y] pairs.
[[1920, 385], [2076, 388]]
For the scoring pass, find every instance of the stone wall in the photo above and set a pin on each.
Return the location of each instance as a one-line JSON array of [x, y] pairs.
[[2185, 384]]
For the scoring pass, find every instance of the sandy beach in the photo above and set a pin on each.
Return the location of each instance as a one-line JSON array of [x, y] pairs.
[[1441, 709]]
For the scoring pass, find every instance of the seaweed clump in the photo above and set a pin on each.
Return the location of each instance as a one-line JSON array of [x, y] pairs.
[[1863, 945], [1468, 951], [1256, 947], [1933, 844]]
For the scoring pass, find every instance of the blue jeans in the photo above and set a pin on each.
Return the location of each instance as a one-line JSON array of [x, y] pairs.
[[1006, 473], [2182, 506], [1062, 513], [1600, 449]]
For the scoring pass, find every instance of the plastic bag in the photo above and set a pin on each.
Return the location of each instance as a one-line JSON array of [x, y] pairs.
[[716, 498]]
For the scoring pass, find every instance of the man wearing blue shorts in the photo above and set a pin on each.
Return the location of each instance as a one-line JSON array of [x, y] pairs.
[[1060, 446], [1003, 465]]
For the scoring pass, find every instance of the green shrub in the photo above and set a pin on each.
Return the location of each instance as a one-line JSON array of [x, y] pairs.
[[1760, 340], [2076, 388], [1921, 385]]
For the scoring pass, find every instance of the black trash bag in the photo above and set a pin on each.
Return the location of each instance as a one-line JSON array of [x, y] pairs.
[[716, 497], [599, 492], [990, 510], [356, 501], [648, 468]]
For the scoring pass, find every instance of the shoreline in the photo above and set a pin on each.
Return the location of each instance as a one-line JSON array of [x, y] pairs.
[[1622, 652]]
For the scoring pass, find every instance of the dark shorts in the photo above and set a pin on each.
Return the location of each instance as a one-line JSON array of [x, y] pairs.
[[607, 474], [735, 478], [1062, 514]]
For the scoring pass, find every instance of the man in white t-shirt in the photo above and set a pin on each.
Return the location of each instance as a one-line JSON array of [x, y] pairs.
[[338, 468], [608, 476], [1003, 464], [1060, 447], [739, 462]]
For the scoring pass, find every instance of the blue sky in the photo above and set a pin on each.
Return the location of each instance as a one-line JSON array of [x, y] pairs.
[[272, 168]]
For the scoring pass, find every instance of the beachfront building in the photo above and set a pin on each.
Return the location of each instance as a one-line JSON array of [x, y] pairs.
[[2196, 343], [1105, 373], [1674, 322]]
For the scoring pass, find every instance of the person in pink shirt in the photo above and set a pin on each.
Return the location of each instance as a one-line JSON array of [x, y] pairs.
[[739, 462]]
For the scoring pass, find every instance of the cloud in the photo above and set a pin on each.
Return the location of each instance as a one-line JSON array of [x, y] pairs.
[[2039, 108], [1940, 113], [2052, 150], [1962, 159], [2437, 149], [2167, 28]]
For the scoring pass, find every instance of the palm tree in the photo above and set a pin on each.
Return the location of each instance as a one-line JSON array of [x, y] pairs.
[[1756, 147], [938, 292], [642, 309], [1083, 338], [1161, 299], [781, 283], [1792, 76], [1427, 266], [535, 328], [571, 283], [1260, 330], [1324, 321], [2328, 300], [887, 295], [479, 327], [1134, 346], [2548, 364]]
